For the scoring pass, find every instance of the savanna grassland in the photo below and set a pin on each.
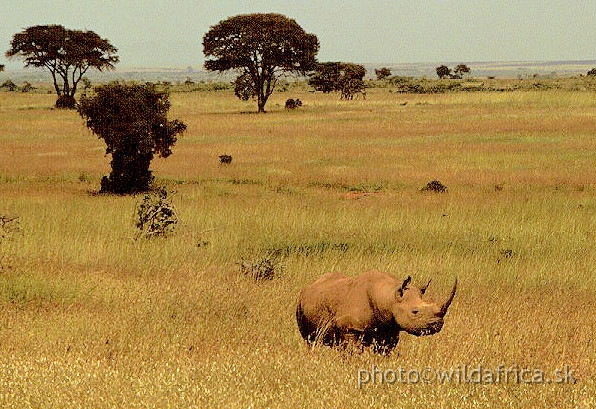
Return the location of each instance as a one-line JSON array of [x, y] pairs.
[[91, 318]]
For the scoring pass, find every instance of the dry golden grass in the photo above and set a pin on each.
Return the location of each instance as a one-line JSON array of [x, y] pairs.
[[91, 318]]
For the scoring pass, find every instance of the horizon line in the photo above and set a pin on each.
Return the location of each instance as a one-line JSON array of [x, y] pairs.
[[426, 63]]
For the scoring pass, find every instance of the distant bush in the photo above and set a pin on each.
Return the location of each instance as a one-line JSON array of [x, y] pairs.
[[461, 70], [225, 159], [434, 186], [27, 87], [293, 103], [8, 85], [435, 86], [201, 86], [266, 268], [423, 86], [457, 73]]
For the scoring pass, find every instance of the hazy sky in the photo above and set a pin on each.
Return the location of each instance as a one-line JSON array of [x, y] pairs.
[[168, 33]]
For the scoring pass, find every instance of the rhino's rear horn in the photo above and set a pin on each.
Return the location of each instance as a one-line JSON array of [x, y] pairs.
[[445, 306], [423, 289]]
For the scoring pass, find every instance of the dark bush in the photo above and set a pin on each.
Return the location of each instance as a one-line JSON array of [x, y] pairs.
[[65, 102], [293, 103], [225, 159], [434, 186], [132, 120]]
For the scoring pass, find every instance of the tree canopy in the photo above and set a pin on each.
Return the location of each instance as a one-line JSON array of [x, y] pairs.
[[67, 54], [262, 47], [457, 73]]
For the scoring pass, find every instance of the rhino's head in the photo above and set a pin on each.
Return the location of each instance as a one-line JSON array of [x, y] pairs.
[[415, 315]]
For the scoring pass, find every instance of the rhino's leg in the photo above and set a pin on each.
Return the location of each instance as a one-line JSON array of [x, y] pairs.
[[349, 331], [381, 340], [385, 346], [350, 341]]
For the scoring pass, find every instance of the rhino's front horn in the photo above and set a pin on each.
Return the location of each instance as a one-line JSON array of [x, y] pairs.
[[445, 306]]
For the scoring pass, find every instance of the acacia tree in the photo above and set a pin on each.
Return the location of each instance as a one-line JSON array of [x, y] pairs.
[[351, 81], [67, 54], [325, 77], [132, 121], [262, 48], [347, 78], [382, 73], [460, 70], [443, 71]]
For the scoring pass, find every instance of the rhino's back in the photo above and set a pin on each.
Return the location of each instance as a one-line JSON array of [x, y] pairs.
[[326, 291], [336, 291]]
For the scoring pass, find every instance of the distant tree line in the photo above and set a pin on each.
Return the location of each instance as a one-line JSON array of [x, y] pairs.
[[457, 73]]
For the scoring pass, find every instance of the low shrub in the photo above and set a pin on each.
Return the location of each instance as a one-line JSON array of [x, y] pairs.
[[434, 186], [263, 269], [156, 215]]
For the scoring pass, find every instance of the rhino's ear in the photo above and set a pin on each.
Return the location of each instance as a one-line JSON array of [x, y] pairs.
[[400, 290], [423, 289]]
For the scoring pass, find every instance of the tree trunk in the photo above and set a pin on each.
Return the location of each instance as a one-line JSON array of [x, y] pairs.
[[261, 105], [65, 99], [130, 173], [262, 98], [56, 87]]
